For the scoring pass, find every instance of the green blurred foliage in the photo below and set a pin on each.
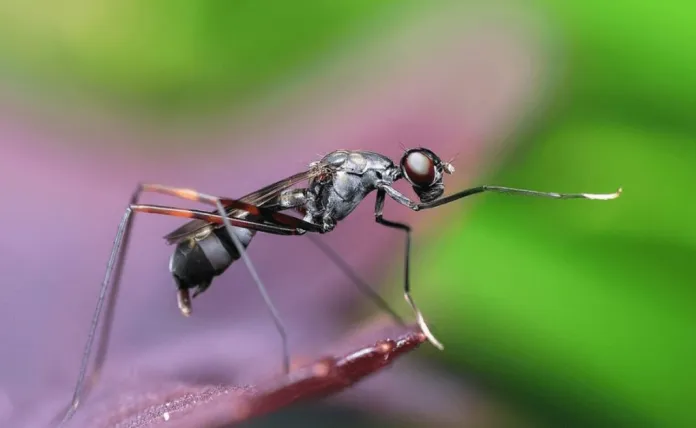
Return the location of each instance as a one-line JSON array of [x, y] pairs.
[[583, 310], [632, 59], [171, 55]]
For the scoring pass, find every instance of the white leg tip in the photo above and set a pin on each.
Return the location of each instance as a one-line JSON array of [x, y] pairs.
[[603, 196], [428, 334]]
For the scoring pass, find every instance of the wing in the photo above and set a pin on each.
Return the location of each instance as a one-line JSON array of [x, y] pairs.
[[258, 198]]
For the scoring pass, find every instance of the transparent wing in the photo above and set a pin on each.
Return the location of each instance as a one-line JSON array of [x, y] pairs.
[[258, 198]]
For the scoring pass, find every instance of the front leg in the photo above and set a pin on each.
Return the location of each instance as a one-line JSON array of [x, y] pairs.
[[404, 200], [379, 206], [399, 197]]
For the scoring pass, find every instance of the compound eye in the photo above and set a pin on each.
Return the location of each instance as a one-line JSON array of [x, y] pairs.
[[419, 168]]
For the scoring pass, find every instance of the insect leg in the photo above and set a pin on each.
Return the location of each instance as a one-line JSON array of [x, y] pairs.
[[194, 195], [262, 289], [113, 270], [384, 189], [257, 211], [297, 198], [114, 266], [379, 205], [250, 222], [514, 191], [301, 198], [361, 285], [403, 200]]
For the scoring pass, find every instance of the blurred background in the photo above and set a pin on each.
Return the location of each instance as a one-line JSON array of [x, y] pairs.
[[553, 313]]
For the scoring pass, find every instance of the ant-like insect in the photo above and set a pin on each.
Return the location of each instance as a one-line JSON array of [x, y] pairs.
[[207, 246]]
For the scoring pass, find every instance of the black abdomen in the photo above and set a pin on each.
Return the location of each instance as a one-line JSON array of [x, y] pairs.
[[196, 262]]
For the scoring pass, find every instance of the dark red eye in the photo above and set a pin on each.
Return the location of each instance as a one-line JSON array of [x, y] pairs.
[[419, 168]]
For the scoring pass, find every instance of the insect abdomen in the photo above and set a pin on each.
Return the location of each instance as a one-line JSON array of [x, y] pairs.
[[196, 262]]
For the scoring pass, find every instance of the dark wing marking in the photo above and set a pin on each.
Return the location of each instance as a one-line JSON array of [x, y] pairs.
[[269, 216], [257, 198]]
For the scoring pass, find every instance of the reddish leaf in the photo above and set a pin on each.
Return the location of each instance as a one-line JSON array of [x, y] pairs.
[[186, 405]]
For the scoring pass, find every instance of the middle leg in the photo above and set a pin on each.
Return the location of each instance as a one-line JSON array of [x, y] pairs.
[[379, 205]]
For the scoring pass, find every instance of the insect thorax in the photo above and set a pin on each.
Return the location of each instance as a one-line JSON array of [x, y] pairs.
[[355, 175]]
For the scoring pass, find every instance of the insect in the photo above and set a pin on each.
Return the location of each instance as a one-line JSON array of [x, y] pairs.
[[335, 185]]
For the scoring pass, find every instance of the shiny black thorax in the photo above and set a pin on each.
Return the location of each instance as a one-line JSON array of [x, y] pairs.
[[356, 174]]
